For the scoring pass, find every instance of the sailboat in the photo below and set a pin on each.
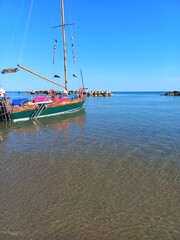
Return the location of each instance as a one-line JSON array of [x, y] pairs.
[[43, 106]]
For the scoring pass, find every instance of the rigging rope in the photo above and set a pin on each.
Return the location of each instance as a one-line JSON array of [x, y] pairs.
[[26, 31], [13, 34]]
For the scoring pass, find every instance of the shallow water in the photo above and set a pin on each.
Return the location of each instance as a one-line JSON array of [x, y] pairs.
[[109, 172]]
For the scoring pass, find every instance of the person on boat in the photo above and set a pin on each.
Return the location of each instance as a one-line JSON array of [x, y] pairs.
[[52, 94], [80, 92], [3, 93]]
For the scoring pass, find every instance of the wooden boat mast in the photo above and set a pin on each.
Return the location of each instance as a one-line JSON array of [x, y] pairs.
[[64, 52], [64, 45]]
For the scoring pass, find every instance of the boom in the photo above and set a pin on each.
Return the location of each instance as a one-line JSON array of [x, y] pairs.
[[28, 70]]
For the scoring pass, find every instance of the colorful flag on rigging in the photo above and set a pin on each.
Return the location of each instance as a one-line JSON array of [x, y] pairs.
[[54, 50], [9, 70]]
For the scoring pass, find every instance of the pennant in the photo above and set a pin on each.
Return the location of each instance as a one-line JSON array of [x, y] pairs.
[[9, 70]]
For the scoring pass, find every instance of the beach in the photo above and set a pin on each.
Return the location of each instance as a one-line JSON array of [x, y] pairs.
[[110, 171]]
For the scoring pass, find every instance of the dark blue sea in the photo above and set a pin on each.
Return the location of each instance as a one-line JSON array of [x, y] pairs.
[[110, 172]]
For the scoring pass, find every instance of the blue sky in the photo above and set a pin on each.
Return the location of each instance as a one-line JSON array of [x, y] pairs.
[[119, 45]]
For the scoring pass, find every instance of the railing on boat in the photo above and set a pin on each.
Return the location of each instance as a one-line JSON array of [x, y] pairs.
[[4, 112]]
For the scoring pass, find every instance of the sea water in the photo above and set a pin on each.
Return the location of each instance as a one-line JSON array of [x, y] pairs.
[[111, 171]]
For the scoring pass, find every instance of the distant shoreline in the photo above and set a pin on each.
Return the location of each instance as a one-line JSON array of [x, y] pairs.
[[171, 93]]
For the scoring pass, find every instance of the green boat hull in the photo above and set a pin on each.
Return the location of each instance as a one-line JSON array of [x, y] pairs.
[[48, 111]]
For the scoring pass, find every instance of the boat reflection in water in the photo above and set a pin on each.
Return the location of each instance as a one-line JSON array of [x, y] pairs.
[[44, 137], [56, 123]]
